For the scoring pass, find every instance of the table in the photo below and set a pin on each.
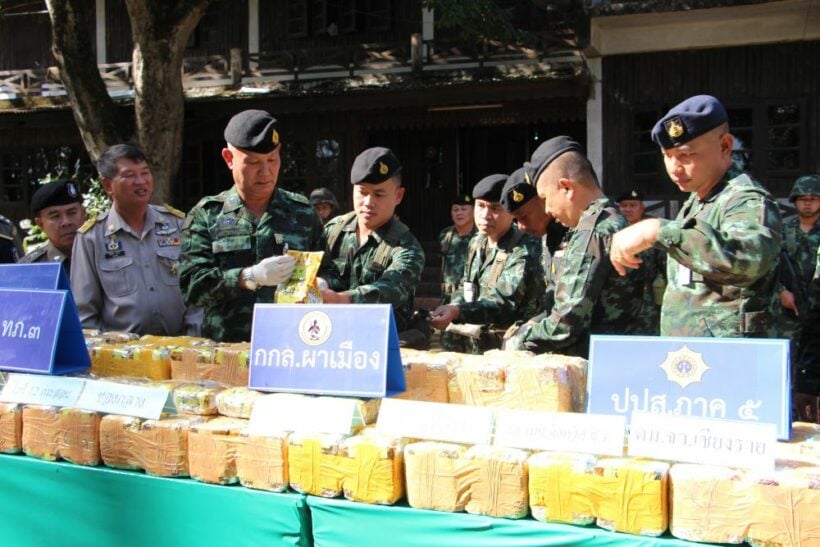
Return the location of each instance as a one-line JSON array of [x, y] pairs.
[[57, 503]]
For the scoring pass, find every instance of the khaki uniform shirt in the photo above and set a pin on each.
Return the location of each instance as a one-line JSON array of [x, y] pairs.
[[45, 254], [126, 281]]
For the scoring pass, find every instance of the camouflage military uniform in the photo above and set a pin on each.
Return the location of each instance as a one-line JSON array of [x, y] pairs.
[[453, 249], [359, 274], [653, 274], [128, 282], [589, 297], [220, 238], [47, 253], [723, 256], [9, 242], [802, 248], [517, 293]]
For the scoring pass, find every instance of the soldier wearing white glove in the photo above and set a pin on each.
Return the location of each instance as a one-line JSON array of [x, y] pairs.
[[269, 272]]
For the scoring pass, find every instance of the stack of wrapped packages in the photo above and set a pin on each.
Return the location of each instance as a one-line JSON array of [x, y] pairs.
[[206, 436], [777, 508]]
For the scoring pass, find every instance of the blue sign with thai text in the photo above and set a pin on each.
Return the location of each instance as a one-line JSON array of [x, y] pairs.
[[326, 349], [40, 330], [731, 378]]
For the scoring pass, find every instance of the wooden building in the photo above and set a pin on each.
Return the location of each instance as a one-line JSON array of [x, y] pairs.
[[340, 76]]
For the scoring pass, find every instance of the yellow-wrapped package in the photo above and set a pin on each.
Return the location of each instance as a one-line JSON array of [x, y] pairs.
[[148, 361], [161, 446], [118, 439], [223, 363], [262, 462], [785, 507], [562, 487], [709, 503], [196, 398], [11, 428], [212, 449], [316, 465], [236, 402], [435, 476], [50, 433], [476, 382], [376, 472], [498, 481], [425, 375], [301, 287], [633, 495]]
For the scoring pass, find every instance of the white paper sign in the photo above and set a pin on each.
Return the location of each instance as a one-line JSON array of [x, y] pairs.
[[598, 434], [288, 412], [125, 399], [701, 440], [435, 421], [37, 389]]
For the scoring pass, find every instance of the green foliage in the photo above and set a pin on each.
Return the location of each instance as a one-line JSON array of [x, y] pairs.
[[476, 20]]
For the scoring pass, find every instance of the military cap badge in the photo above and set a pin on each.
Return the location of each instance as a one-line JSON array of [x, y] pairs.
[[517, 196], [275, 137], [634, 194], [674, 127], [383, 169]]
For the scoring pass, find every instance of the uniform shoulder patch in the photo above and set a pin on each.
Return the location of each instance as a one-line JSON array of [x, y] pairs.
[[176, 212], [91, 221]]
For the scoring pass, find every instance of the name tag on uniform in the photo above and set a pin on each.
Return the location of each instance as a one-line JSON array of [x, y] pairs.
[[469, 291], [684, 275]]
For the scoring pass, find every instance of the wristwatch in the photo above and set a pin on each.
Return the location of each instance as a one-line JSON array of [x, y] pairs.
[[248, 279]]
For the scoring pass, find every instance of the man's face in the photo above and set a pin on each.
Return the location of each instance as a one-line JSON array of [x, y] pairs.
[[632, 209], [462, 215], [254, 174], [807, 206], [557, 196], [60, 223], [532, 217], [132, 185], [492, 219], [375, 203], [700, 163], [324, 210]]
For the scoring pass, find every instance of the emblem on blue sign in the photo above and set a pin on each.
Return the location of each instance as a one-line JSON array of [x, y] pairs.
[[315, 328], [684, 366]]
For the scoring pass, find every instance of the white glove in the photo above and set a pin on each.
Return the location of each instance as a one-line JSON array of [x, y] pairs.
[[321, 283], [274, 270]]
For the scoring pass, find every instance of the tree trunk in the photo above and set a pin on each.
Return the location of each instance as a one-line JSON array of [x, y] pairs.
[[97, 117], [160, 30]]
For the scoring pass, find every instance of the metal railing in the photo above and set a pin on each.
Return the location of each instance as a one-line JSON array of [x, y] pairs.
[[238, 68]]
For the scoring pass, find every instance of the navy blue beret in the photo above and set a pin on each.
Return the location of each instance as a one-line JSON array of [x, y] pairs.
[[463, 199], [56, 192], [374, 166], [546, 154], [489, 188], [253, 131], [691, 118], [517, 190], [630, 194]]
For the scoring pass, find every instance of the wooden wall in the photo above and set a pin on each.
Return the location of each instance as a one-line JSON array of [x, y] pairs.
[[746, 78]]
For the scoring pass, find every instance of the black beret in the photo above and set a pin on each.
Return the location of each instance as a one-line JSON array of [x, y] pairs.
[[323, 195], [691, 118], [489, 188], [463, 199], [374, 165], [630, 194], [517, 191], [254, 131], [546, 154], [56, 192]]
